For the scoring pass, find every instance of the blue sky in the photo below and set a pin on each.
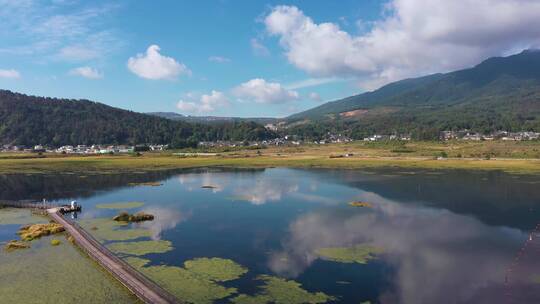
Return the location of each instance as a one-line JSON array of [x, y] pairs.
[[246, 58]]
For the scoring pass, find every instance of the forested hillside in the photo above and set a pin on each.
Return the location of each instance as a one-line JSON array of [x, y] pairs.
[[498, 94], [29, 120]]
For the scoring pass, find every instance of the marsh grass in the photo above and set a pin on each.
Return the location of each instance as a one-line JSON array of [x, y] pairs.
[[120, 205], [516, 157]]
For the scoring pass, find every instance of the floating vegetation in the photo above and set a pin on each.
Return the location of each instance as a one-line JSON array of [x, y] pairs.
[[121, 205], [31, 232], [105, 229], [280, 291], [14, 245], [215, 269], [133, 218], [196, 282], [187, 285], [136, 262], [15, 216], [357, 254], [42, 274], [361, 204], [55, 242], [148, 184], [141, 248]]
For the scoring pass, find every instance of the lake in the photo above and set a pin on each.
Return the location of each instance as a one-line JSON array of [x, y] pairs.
[[291, 236]]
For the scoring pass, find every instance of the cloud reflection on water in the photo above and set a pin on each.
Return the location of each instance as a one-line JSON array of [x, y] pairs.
[[164, 219], [439, 256]]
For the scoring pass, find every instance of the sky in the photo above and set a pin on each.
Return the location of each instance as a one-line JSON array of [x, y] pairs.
[[246, 58]]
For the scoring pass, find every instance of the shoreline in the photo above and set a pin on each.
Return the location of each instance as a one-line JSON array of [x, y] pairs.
[[158, 162]]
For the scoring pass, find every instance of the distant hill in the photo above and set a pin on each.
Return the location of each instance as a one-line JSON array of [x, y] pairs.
[[31, 120], [211, 119], [500, 93]]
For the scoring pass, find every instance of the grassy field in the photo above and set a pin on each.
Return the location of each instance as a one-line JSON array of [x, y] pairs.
[[515, 157]]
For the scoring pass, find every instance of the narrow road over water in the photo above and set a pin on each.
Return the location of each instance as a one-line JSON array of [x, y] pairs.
[[141, 286]]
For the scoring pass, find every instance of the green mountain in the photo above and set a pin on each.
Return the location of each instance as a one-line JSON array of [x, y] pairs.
[[31, 120], [501, 93]]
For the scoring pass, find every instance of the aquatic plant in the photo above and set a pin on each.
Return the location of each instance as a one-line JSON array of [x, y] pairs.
[[55, 242], [281, 291], [361, 204], [136, 262], [43, 274], [196, 282], [121, 205], [149, 184], [31, 232], [357, 254], [141, 248], [135, 218], [215, 269], [105, 229], [15, 216], [14, 245], [187, 285]]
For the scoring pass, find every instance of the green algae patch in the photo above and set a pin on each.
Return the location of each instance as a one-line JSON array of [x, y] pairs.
[[136, 262], [133, 218], [281, 291], [15, 216], [105, 229], [122, 205], [43, 274], [357, 254], [216, 269], [186, 285], [15, 245], [55, 242], [141, 248], [35, 231], [196, 282]]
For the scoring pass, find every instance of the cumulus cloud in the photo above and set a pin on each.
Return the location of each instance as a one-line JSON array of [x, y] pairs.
[[258, 48], [415, 37], [261, 91], [219, 59], [86, 72], [153, 65], [206, 103], [11, 73]]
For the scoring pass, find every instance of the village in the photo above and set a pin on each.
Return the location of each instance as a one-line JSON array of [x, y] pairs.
[[287, 140]]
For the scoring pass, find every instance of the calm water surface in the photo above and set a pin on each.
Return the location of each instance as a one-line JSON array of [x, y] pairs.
[[447, 236]]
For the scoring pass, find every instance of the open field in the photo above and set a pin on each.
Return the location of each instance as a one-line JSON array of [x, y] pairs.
[[515, 157]]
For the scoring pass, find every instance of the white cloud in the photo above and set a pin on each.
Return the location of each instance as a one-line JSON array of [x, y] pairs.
[[219, 59], [258, 48], [414, 37], [86, 72], [47, 30], [314, 96], [11, 73], [206, 103], [261, 91], [153, 65], [312, 82]]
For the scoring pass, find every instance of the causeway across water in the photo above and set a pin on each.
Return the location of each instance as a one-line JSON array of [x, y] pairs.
[[138, 284]]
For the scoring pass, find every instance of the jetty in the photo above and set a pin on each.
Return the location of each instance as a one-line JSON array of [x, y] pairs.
[[141, 286]]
